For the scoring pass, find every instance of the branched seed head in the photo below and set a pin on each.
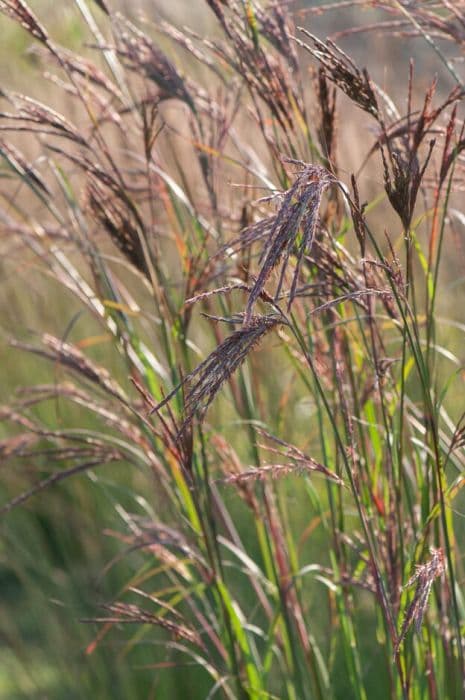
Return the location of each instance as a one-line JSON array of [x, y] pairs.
[[299, 213], [205, 381]]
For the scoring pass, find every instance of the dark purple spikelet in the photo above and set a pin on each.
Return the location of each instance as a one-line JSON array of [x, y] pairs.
[[205, 381], [266, 73], [299, 213], [424, 578], [118, 221], [144, 57], [274, 25], [342, 71], [405, 165]]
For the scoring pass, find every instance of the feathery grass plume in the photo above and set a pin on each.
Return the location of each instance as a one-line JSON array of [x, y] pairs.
[[78, 66], [285, 449], [277, 471], [275, 24], [206, 380], [375, 275], [35, 117], [201, 296], [118, 221], [264, 73], [130, 613], [141, 55], [71, 357], [404, 153], [249, 235], [44, 392], [242, 568], [238, 286], [171, 547], [231, 466], [109, 178], [411, 130], [19, 11], [336, 269], [186, 38], [108, 199], [99, 457], [298, 214], [424, 577], [146, 532], [343, 72]]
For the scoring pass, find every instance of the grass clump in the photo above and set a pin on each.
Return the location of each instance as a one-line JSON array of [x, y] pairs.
[[251, 370]]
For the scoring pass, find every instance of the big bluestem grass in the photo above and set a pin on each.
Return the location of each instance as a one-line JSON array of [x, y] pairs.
[[272, 359]]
